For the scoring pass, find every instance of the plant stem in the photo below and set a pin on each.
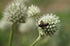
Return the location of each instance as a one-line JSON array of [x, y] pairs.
[[11, 35], [39, 37]]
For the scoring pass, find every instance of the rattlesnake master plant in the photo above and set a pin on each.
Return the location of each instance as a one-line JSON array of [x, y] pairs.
[[48, 24], [33, 10], [15, 12]]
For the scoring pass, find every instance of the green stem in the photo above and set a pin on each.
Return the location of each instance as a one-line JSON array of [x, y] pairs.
[[34, 43], [11, 35]]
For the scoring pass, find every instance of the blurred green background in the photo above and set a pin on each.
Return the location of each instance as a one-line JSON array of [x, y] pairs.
[[59, 7]]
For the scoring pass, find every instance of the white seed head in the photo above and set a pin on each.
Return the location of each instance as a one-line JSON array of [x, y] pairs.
[[15, 12], [33, 10], [49, 24]]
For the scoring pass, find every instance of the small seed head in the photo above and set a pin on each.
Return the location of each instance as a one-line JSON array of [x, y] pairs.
[[33, 10]]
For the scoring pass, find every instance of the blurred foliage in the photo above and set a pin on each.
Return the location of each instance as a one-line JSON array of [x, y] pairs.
[[0, 15], [64, 39], [3, 38], [41, 2]]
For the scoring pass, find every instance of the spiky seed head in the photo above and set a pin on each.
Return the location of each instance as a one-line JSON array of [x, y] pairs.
[[15, 12], [48, 24], [33, 11]]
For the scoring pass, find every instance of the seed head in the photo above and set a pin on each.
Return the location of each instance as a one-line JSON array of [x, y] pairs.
[[15, 12], [48, 24], [33, 10]]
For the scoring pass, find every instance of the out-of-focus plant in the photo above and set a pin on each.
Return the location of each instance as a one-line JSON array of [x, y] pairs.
[[13, 15]]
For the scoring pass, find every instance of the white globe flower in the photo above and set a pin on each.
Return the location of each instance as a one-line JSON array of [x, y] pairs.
[[33, 11], [48, 24], [15, 12]]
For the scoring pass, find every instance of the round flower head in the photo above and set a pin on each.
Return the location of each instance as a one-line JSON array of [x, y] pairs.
[[33, 11], [15, 12], [48, 24]]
